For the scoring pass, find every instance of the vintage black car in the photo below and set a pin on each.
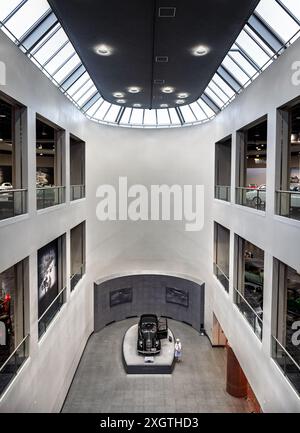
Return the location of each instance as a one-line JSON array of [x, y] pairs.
[[150, 332]]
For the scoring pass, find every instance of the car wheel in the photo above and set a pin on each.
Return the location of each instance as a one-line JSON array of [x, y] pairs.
[[256, 201]]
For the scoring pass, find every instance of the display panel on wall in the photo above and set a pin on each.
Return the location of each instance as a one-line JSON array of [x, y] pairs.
[[121, 296], [47, 275], [176, 296]]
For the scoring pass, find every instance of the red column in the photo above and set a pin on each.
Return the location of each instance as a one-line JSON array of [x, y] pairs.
[[236, 382]]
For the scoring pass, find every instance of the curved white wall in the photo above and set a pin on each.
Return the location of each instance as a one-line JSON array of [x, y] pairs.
[[170, 156]]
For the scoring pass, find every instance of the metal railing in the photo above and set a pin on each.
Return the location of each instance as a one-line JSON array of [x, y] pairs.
[[222, 277], [50, 312], [13, 202], [288, 365], [253, 318], [223, 192], [251, 197], [50, 196], [76, 277], [288, 204], [10, 368], [77, 192]]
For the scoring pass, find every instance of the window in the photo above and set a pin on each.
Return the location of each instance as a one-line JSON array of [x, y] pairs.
[[286, 326], [14, 338], [249, 289], [13, 174], [221, 254], [77, 254], [77, 168], [252, 165], [51, 282], [50, 173], [223, 169], [288, 161]]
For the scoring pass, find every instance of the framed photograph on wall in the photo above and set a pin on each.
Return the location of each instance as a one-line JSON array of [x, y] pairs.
[[47, 275], [177, 296], [120, 296]]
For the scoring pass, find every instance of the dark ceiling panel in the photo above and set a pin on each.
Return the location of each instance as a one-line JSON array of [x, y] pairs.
[[140, 33]]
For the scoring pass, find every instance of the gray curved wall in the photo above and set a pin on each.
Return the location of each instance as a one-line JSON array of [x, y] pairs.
[[164, 295]]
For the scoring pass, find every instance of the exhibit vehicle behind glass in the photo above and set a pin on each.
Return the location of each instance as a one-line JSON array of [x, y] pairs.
[[150, 332]]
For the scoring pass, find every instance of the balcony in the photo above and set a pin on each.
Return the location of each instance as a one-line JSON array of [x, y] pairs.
[[253, 316], [77, 192], [222, 277], [288, 204], [13, 202], [223, 192], [254, 198], [50, 196], [9, 369], [289, 366]]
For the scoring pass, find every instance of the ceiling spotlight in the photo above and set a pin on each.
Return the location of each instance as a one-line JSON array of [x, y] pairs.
[[164, 105], [134, 89], [167, 89], [104, 50], [2, 116], [182, 95], [180, 101], [118, 95], [121, 101], [201, 50], [137, 105]]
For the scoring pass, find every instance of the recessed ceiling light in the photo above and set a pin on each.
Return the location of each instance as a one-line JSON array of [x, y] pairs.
[[137, 105], [168, 89], [182, 95], [3, 116], [118, 95], [180, 101], [164, 105], [121, 101], [104, 50], [201, 50], [134, 89]]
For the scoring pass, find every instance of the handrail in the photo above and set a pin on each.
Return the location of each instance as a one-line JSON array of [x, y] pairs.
[[251, 308], [222, 272], [250, 189], [6, 191], [286, 352], [80, 268], [83, 184], [49, 187], [48, 308], [223, 186], [288, 192], [14, 352]]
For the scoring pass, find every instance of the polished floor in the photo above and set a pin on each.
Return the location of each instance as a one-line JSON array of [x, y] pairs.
[[196, 385]]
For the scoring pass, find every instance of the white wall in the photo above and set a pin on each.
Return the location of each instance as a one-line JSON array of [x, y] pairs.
[[179, 156]]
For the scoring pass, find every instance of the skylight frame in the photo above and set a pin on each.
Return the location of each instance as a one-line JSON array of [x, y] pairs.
[[244, 62]]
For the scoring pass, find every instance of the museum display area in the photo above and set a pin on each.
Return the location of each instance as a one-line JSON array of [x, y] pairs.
[[98, 302]]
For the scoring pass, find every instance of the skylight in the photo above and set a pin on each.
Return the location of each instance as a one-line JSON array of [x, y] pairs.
[[32, 25]]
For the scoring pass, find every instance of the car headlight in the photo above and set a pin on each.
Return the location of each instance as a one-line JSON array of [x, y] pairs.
[[140, 343], [157, 343]]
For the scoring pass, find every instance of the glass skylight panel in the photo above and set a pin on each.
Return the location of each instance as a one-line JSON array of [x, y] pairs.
[[277, 18], [235, 70], [253, 49], [87, 96], [112, 113], [224, 98], [224, 86], [7, 7], [102, 110], [293, 6], [67, 69], [82, 81], [174, 116], [243, 63], [91, 112], [163, 117], [126, 116], [150, 117], [187, 113], [136, 116], [51, 47], [197, 110], [26, 16], [207, 110], [214, 97], [258, 41], [82, 90], [60, 58]]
